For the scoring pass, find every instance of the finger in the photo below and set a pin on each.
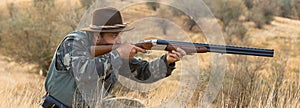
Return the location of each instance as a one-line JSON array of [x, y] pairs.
[[174, 56], [177, 53], [132, 54], [138, 49], [181, 51], [134, 51]]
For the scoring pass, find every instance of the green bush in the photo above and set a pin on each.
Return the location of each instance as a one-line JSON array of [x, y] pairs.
[[263, 12], [236, 32], [227, 11], [296, 5], [31, 34], [86, 3], [27, 38], [257, 16], [153, 5], [286, 8], [248, 4]]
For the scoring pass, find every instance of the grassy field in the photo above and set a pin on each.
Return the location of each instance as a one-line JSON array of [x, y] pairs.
[[276, 84], [20, 87]]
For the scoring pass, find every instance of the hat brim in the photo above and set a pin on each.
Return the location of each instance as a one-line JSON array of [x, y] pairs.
[[107, 30]]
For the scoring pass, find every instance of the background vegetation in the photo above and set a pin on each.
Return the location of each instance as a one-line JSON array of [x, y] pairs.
[[31, 31]]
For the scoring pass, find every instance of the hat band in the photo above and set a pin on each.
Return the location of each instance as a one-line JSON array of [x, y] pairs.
[[116, 26]]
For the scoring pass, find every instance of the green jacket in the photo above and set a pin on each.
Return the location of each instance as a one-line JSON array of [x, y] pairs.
[[76, 78]]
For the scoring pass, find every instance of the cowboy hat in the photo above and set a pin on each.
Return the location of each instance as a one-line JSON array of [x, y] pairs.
[[107, 20]]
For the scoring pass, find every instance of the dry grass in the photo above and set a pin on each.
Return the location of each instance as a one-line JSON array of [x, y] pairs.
[[20, 88], [283, 35]]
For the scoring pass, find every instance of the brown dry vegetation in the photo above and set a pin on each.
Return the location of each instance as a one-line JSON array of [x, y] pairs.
[[20, 87], [249, 81]]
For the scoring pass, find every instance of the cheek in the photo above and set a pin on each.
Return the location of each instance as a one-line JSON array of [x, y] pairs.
[[109, 40], [118, 40]]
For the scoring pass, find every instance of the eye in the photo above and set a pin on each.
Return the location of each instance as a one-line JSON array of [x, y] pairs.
[[115, 35]]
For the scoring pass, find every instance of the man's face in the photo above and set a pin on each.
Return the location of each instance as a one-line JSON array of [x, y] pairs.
[[107, 38]]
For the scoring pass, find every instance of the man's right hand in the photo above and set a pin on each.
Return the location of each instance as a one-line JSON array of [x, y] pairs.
[[128, 51]]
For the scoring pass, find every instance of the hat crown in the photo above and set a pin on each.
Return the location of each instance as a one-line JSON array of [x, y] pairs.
[[107, 20], [106, 17]]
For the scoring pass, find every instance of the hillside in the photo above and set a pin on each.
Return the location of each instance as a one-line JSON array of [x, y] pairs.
[[283, 35]]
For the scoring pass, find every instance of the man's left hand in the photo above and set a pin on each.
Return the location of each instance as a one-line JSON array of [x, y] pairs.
[[175, 56]]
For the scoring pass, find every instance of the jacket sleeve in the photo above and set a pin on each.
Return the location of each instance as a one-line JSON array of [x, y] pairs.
[[86, 68], [147, 72]]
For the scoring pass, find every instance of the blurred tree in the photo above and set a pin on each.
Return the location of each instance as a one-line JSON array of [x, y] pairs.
[[165, 14], [263, 12], [286, 8], [153, 5], [227, 11], [256, 15], [164, 25], [296, 4], [42, 4], [86, 3], [236, 33], [71, 17], [248, 4], [11, 10], [191, 9], [33, 35]]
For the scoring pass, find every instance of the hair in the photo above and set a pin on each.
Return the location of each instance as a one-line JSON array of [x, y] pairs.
[[101, 34], [91, 36]]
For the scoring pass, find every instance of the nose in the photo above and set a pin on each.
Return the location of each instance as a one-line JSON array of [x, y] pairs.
[[118, 40]]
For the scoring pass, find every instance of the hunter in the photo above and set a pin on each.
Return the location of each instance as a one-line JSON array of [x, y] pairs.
[[78, 77]]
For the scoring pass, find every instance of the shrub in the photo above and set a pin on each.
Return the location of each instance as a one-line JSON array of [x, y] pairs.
[[31, 36], [191, 10], [227, 11], [153, 5], [286, 8], [263, 12], [236, 32], [248, 4], [296, 4], [257, 16], [242, 80], [86, 3]]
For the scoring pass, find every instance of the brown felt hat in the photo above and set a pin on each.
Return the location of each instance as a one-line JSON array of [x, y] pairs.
[[107, 20]]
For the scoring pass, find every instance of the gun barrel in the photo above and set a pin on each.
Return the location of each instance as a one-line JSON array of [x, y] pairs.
[[241, 52], [225, 49]]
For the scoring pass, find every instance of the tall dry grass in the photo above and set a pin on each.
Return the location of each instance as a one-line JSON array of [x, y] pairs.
[[20, 87]]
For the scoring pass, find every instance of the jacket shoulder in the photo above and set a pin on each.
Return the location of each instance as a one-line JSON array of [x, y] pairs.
[[79, 36]]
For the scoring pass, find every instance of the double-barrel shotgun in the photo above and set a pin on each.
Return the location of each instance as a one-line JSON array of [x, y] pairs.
[[189, 48]]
